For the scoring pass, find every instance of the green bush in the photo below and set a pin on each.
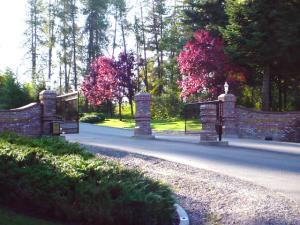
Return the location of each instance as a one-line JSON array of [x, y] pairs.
[[166, 106], [92, 118], [61, 180], [12, 93]]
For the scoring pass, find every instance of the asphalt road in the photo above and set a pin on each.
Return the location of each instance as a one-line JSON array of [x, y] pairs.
[[274, 165]]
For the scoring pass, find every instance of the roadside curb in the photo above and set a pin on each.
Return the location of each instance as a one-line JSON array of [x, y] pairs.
[[183, 216]]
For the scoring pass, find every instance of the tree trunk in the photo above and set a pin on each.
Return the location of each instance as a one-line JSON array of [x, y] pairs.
[[74, 44], [34, 46], [279, 95], [137, 39], [145, 52], [266, 89], [284, 95], [60, 80], [120, 109], [51, 38], [115, 34], [124, 40], [131, 106], [111, 109]]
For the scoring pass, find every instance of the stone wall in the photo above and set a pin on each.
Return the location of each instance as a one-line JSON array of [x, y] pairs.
[[281, 126], [25, 120]]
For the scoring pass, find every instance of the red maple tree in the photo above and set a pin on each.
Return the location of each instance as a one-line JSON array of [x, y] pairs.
[[205, 67], [109, 79], [101, 83]]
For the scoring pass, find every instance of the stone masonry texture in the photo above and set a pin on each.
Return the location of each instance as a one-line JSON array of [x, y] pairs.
[[208, 118], [281, 126], [142, 115], [25, 120]]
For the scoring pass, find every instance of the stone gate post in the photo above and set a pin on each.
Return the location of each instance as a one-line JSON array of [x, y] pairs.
[[229, 115], [142, 116], [208, 119], [48, 102]]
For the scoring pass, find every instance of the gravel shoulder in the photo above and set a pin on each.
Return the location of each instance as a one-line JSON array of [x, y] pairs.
[[209, 197]]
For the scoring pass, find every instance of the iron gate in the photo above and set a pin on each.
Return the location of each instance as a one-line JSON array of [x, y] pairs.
[[192, 114], [67, 113]]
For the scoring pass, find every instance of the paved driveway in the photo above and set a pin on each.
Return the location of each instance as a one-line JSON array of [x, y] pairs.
[[274, 165]]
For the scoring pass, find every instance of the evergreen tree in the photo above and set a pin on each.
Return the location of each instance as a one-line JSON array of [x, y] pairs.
[[35, 38], [209, 15], [52, 13], [264, 34], [95, 27], [155, 29], [12, 93]]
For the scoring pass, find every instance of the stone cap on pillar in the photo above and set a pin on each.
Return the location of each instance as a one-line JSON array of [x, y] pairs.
[[208, 106], [227, 98], [47, 94], [142, 97]]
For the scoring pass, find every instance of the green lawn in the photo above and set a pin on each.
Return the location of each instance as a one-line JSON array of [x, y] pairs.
[[157, 125], [8, 217]]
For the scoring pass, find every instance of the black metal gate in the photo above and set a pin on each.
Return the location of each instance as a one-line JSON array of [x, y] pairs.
[[67, 113], [192, 120]]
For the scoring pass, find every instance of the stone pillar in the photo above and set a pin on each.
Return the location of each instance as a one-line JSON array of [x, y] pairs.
[[142, 116], [208, 119], [229, 115], [48, 102]]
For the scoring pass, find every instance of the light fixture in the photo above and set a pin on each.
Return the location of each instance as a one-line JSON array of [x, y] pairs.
[[48, 84], [226, 88]]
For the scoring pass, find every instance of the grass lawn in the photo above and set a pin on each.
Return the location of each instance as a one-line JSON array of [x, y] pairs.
[[157, 125], [8, 217]]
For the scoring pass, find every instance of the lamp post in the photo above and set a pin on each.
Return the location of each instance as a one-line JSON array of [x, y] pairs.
[[48, 84], [226, 88]]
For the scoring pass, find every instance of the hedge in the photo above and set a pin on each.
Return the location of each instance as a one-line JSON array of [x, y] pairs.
[[62, 181], [92, 118]]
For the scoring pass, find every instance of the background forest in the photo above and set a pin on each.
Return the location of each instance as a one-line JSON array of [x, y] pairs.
[[177, 50]]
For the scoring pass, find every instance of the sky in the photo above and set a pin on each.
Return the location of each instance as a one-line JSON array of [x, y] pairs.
[[12, 28]]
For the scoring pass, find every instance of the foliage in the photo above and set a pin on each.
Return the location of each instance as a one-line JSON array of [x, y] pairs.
[[205, 67], [206, 14], [95, 27], [266, 39], [166, 106], [261, 39], [13, 218], [62, 180], [12, 93], [101, 84], [125, 66], [92, 118], [35, 38], [110, 80]]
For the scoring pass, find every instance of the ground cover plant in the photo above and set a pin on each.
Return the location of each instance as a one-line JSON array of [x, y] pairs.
[[61, 180], [8, 217]]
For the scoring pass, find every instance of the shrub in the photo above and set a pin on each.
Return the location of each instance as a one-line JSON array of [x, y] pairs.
[[166, 106], [61, 180], [92, 118]]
